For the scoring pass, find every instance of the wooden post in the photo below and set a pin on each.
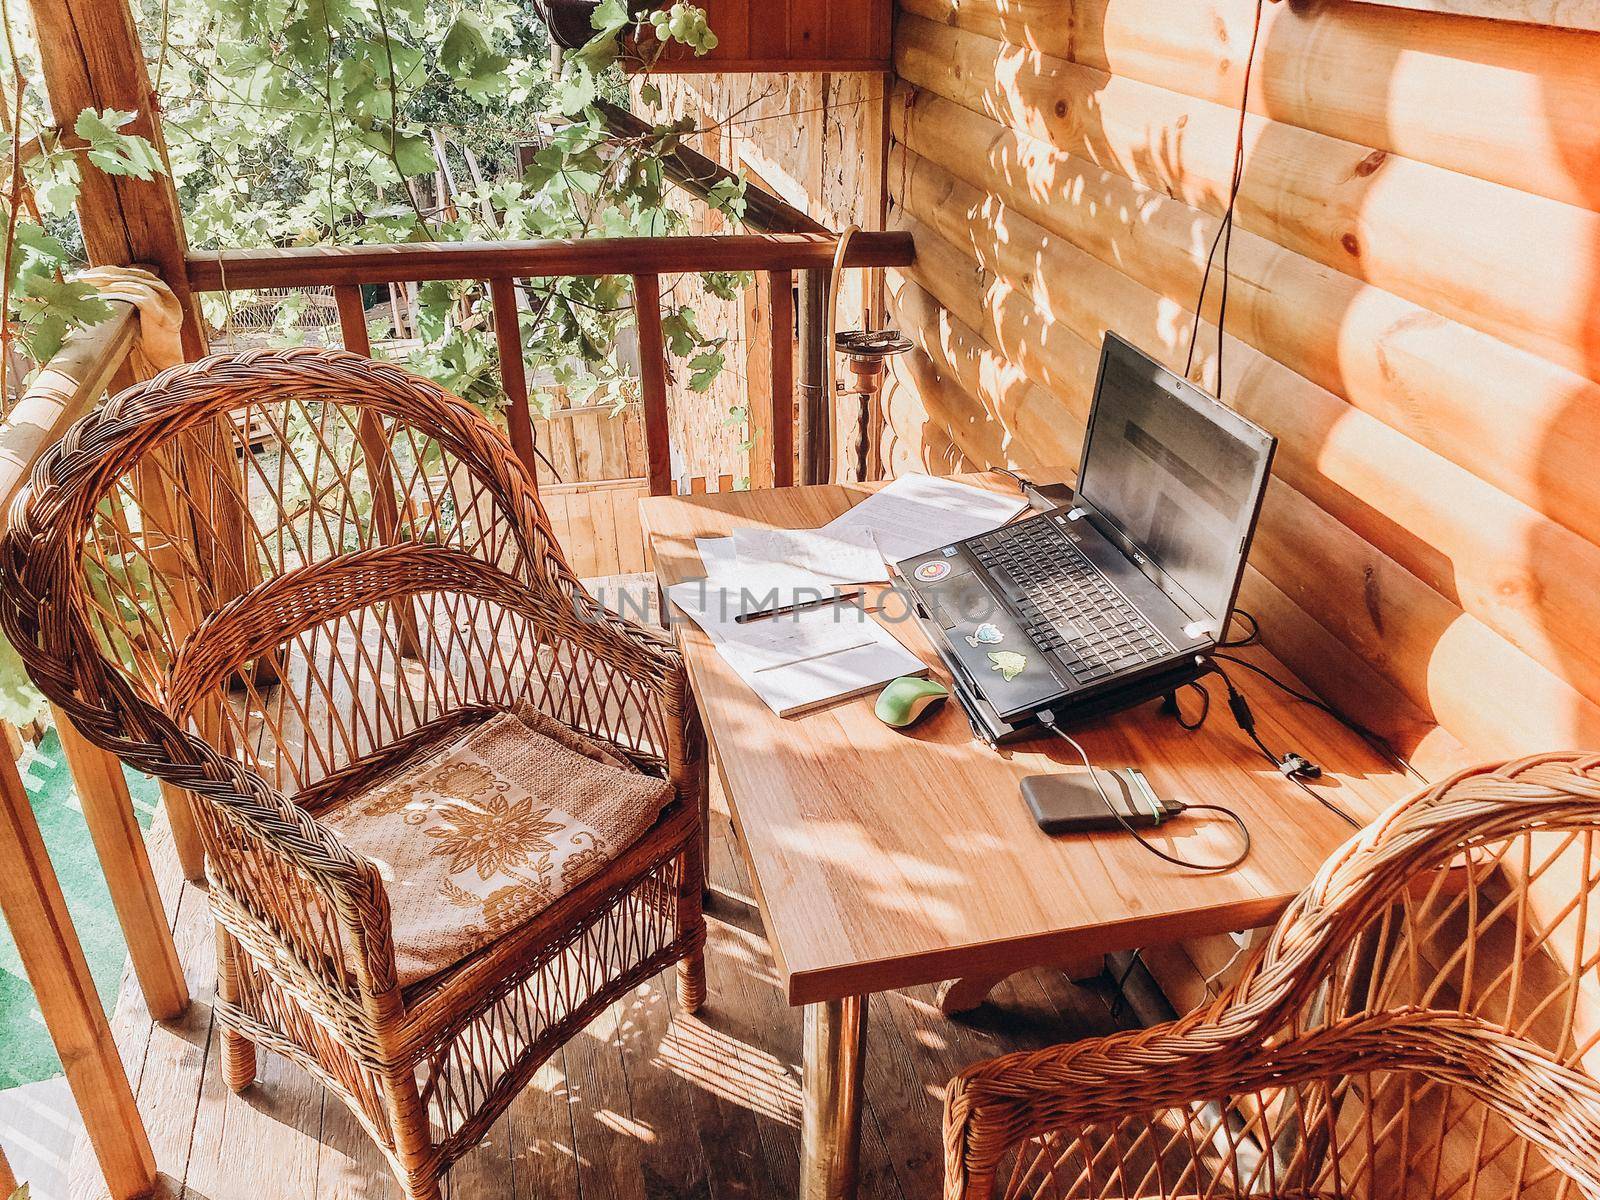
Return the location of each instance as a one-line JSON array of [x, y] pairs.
[[513, 371], [90, 55], [119, 842], [653, 381], [816, 408], [36, 912], [760, 385], [772, 410]]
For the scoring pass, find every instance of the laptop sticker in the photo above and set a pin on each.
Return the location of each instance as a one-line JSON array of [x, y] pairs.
[[932, 572], [986, 634], [1009, 663]]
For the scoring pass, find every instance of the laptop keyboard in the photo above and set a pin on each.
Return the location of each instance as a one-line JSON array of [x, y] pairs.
[[1069, 606]]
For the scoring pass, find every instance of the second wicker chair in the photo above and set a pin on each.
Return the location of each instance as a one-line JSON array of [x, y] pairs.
[[275, 580], [1420, 1024]]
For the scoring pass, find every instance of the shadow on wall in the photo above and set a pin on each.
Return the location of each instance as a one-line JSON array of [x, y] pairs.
[[1402, 218]]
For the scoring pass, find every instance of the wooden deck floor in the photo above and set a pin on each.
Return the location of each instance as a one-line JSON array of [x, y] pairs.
[[645, 1103]]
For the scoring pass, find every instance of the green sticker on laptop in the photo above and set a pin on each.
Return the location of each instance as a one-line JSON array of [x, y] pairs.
[[1009, 663]]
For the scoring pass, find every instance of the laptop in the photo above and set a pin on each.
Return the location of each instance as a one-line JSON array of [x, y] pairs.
[[1120, 595]]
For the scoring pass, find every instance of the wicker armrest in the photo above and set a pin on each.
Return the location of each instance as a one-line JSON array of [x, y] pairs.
[[1139, 1076]]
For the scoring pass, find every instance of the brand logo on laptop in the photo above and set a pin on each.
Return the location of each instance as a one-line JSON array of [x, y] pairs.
[[932, 572]]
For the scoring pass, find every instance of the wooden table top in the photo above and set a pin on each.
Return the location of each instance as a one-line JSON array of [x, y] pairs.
[[883, 859]]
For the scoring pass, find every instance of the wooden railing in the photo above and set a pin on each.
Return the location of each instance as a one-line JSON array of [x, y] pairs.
[[72, 383], [96, 360], [498, 265]]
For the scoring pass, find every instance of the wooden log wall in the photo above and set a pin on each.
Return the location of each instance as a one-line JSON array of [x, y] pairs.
[[1413, 311]]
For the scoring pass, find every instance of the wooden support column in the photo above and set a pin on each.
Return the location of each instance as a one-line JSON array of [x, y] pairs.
[[379, 458], [119, 842], [513, 371], [816, 407], [653, 381], [769, 341], [90, 55], [36, 912]]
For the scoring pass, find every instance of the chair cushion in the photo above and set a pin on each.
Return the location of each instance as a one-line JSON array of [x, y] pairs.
[[490, 829]]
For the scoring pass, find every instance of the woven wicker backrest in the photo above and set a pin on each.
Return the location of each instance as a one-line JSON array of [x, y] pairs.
[[1479, 898], [309, 558]]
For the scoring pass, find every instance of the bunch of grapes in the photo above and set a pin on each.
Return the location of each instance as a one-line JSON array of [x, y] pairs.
[[684, 23]]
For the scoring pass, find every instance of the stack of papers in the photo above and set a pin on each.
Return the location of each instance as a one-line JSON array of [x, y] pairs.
[[847, 557], [796, 661], [827, 651]]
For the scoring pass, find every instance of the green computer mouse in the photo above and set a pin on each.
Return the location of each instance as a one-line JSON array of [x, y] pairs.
[[903, 701]]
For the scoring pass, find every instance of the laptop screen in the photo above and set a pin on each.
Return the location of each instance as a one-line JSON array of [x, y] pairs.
[[1177, 474]]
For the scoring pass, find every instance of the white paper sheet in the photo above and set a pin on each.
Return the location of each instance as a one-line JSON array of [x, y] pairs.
[[762, 586], [838, 559], [917, 513], [796, 661], [717, 555]]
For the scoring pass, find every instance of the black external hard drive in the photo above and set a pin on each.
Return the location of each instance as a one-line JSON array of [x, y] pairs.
[[1069, 802]]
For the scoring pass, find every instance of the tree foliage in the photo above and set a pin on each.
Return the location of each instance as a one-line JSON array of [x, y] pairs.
[[295, 122]]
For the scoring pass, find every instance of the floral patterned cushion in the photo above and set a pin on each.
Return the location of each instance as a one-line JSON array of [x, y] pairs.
[[490, 829]]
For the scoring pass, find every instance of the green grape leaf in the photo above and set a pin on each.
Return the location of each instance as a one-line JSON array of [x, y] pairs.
[[115, 152]]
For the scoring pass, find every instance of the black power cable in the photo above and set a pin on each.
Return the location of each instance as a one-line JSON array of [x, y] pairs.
[[1293, 766], [1224, 236]]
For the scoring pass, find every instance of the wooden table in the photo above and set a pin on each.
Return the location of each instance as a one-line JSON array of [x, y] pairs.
[[884, 859]]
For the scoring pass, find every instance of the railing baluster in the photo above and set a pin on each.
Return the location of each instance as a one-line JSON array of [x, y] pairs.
[[769, 350], [653, 381], [780, 417], [52, 959], [118, 841], [513, 371], [375, 450]]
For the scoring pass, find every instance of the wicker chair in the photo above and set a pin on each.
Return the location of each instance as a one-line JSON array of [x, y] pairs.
[[1423, 1021], [272, 579]]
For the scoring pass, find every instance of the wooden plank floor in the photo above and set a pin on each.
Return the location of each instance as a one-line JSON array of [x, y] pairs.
[[647, 1102]]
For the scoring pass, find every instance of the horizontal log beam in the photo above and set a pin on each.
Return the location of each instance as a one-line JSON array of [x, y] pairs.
[[1488, 256], [1441, 383], [1507, 102], [304, 266]]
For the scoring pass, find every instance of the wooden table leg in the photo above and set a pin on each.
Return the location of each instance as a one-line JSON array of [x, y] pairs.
[[957, 996], [52, 957], [830, 1125]]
